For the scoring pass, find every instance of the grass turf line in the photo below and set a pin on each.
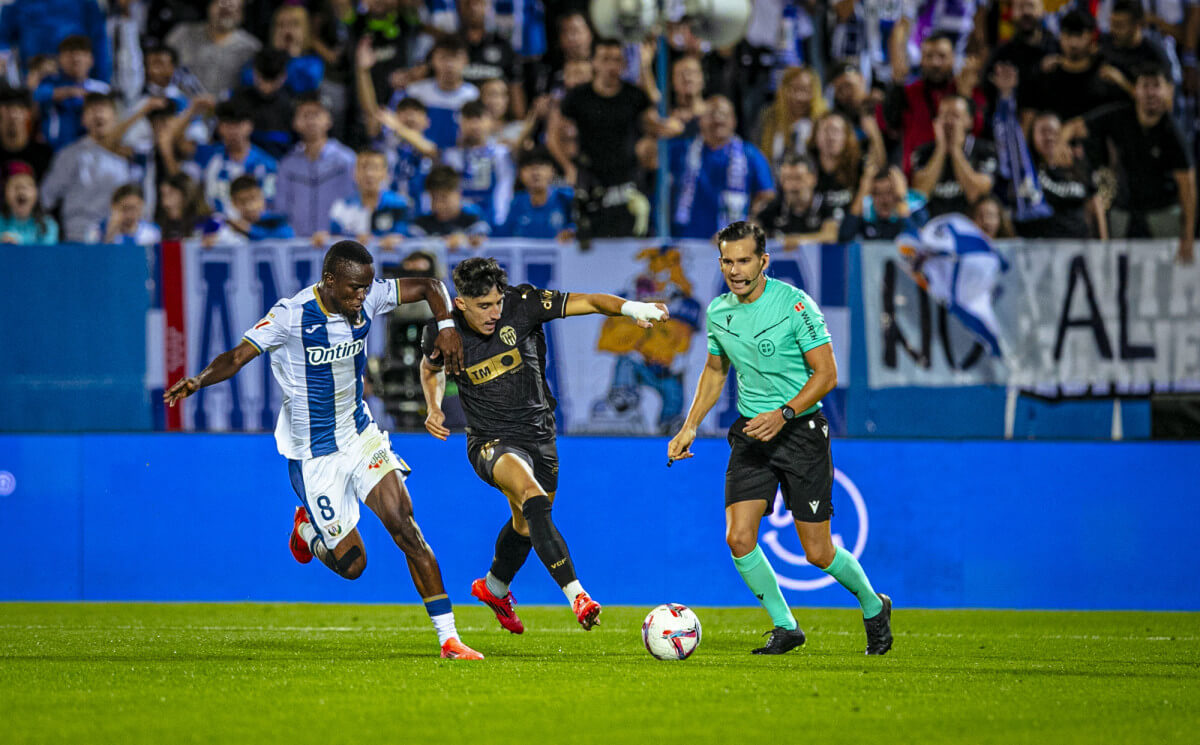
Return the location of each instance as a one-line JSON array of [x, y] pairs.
[[295, 673]]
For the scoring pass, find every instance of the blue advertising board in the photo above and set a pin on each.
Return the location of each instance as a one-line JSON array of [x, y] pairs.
[[169, 517]]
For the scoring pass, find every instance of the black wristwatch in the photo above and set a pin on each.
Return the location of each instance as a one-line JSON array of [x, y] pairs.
[[788, 413]]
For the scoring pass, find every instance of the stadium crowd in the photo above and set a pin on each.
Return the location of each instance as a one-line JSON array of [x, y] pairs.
[[131, 121]]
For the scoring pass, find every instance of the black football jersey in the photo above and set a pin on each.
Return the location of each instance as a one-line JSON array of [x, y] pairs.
[[503, 384]]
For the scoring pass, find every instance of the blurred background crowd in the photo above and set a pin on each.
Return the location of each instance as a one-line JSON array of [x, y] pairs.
[[133, 121]]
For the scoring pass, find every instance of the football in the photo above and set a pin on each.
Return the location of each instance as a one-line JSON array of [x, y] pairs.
[[671, 632]]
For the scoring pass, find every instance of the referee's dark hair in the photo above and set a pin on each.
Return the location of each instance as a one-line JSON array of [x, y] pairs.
[[476, 277], [342, 253], [740, 230]]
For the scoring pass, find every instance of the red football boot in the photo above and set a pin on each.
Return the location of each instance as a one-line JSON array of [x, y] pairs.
[[586, 610], [300, 550], [502, 607], [453, 649]]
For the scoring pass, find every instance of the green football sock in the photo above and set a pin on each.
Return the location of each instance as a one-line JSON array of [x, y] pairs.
[[760, 578], [847, 571]]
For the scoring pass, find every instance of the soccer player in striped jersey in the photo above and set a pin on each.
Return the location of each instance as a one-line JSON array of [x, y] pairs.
[[336, 455]]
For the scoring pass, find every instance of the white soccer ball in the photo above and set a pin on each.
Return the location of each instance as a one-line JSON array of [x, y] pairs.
[[671, 632]]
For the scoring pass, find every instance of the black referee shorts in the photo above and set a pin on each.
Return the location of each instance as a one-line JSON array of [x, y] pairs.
[[542, 457], [796, 461]]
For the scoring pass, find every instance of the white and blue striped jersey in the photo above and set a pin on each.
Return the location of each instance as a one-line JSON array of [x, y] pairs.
[[319, 359], [442, 107]]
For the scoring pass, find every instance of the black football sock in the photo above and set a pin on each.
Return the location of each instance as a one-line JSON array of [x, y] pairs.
[[512, 549], [549, 544]]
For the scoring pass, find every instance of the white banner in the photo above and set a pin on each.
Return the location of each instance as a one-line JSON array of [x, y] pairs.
[[609, 376], [1076, 318]]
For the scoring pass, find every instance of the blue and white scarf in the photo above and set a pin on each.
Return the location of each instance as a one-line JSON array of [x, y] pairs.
[[736, 177], [1015, 166]]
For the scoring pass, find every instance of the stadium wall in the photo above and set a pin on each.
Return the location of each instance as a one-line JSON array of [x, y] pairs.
[[173, 517]]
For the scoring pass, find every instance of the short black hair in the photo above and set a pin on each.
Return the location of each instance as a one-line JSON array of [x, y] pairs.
[[442, 178], [230, 111], [411, 104], [940, 36], [605, 41], [343, 253], [75, 43], [132, 189], [474, 110], [94, 99], [156, 47], [16, 97], [451, 43], [800, 159], [476, 277], [271, 64], [958, 96], [1129, 7], [1077, 22], [242, 183], [1150, 70], [740, 230], [538, 156], [370, 151], [309, 97]]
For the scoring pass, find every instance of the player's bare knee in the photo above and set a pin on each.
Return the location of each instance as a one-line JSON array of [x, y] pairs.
[[741, 542], [820, 555]]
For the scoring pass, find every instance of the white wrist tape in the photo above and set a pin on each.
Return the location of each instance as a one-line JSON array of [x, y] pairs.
[[641, 311], [445, 323]]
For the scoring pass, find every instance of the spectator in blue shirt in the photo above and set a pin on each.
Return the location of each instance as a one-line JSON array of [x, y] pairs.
[[33, 27], [22, 220], [317, 172], [485, 165], [372, 211], [883, 208], [719, 178], [60, 96], [541, 210], [162, 62], [253, 220], [290, 33], [124, 225], [459, 223], [216, 166]]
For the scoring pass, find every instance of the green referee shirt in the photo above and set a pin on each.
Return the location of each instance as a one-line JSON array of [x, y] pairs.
[[766, 341]]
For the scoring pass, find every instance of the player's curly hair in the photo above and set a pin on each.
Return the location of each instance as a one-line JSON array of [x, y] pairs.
[[476, 277], [342, 253]]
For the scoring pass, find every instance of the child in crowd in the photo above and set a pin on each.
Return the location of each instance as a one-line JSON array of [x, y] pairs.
[[60, 96], [124, 225], [373, 211], [541, 210], [460, 224], [22, 220]]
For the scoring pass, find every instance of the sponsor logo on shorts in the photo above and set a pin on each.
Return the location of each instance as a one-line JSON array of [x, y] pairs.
[[488, 449], [377, 460], [814, 506], [508, 335], [326, 355]]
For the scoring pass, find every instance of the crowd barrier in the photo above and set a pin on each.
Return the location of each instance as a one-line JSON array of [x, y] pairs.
[[169, 517], [1081, 323]]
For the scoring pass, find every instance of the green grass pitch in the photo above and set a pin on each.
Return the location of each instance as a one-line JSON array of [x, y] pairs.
[[284, 673]]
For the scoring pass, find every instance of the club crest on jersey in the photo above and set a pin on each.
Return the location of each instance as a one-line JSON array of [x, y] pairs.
[[326, 355], [508, 335]]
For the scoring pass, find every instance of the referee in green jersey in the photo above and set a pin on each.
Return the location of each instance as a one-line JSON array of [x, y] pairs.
[[775, 335]]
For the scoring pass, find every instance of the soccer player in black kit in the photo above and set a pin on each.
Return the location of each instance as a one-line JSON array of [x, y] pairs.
[[510, 417]]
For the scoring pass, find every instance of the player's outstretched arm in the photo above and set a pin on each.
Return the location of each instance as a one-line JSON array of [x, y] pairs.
[[582, 304], [708, 392], [433, 385], [223, 367], [432, 291]]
